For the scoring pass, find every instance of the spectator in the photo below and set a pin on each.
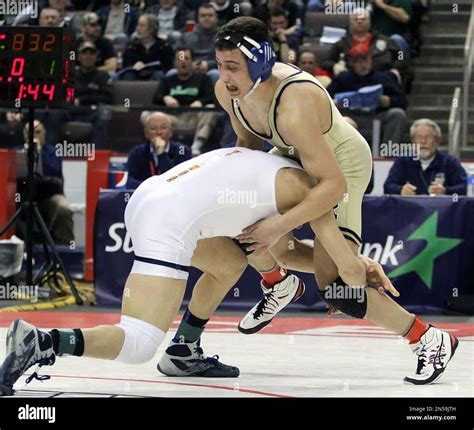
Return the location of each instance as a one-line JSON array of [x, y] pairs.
[[262, 12], [285, 45], [391, 17], [307, 62], [172, 19], [188, 88], [11, 129], [49, 17], [392, 103], [433, 172], [384, 50], [201, 42], [226, 10], [106, 57], [145, 49], [49, 190], [92, 88], [158, 154], [118, 18]]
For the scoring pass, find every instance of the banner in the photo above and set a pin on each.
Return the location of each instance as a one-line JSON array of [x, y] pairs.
[[426, 245]]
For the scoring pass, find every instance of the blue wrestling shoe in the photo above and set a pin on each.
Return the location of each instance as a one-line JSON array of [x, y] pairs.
[[26, 346]]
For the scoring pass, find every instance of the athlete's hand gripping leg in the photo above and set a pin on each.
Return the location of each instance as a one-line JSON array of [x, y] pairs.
[[349, 267]]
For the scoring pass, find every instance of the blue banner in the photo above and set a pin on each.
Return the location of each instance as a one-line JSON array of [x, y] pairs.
[[426, 245]]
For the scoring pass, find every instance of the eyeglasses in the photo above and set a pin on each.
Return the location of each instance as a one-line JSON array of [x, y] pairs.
[[418, 137], [160, 128]]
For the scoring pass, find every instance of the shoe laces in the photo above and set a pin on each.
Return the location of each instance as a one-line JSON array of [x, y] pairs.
[[200, 352], [268, 301], [36, 376], [438, 354], [46, 361], [213, 360], [433, 358], [421, 361]]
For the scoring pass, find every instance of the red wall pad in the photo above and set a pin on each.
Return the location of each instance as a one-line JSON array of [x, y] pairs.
[[7, 189], [97, 178]]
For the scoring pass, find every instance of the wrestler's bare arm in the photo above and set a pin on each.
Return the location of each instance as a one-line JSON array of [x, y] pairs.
[[299, 123], [244, 137]]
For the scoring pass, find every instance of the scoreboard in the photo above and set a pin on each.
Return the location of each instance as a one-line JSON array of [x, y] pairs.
[[37, 66]]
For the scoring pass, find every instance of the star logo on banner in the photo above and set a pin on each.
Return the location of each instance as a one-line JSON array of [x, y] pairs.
[[423, 263]]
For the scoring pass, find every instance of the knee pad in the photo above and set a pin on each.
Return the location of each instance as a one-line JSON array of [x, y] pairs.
[[141, 340], [351, 301]]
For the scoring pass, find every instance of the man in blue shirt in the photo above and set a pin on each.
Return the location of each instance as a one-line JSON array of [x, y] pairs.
[[158, 154], [391, 105], [433, 172]]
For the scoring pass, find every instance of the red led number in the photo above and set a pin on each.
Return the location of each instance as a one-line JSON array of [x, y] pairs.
[[26, 90], [49, 92], [20, 93], [18, 66], [34, 90]]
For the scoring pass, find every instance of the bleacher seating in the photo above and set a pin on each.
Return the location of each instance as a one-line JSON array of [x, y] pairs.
[[315, 21], [124, 131], [77, 131], [139, 93]]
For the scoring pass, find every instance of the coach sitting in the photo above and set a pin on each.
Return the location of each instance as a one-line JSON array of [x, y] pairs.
[[158, 154], [432, 172]]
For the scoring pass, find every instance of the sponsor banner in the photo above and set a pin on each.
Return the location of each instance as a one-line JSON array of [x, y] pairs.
[[426, 245]]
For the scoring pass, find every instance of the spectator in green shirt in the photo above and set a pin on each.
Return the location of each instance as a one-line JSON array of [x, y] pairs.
[[391, 17]]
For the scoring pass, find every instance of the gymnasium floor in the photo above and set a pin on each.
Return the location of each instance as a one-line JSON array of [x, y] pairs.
[[298, 355]]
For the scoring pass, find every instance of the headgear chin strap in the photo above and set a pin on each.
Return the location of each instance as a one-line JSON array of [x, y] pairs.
[[260, 58]]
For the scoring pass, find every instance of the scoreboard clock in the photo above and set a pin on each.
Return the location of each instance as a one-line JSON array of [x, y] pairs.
[[37, 67]]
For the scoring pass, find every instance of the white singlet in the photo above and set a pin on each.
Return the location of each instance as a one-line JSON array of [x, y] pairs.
[[216, 194]]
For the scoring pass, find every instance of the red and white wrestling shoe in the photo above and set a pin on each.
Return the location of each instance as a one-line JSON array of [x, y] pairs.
[[275, 298], [434, 349]]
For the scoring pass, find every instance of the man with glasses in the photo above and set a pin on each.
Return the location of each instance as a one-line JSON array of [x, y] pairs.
[[429, 171], [159, 154]]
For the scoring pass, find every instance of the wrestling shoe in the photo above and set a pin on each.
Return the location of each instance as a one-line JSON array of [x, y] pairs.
[[26, 346], [434, 349], [188, 359], [274, 299]]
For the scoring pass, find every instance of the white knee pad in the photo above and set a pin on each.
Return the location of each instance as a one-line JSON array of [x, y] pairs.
[[141, 340]]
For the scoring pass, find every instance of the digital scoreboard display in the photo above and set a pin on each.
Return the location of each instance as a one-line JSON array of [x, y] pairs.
[[37, 67]]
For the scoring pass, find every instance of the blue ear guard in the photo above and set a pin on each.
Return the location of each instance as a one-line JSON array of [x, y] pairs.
[[260, 56]]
